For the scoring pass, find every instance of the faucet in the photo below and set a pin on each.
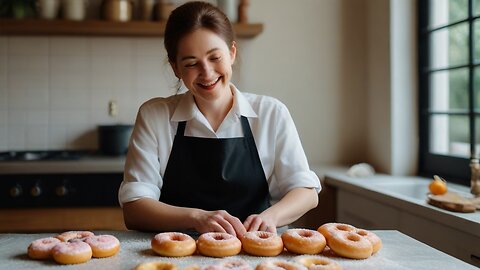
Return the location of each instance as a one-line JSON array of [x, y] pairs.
[[475, 177]]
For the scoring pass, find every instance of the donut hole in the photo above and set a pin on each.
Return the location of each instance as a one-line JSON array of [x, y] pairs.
[[218, 237], [321, 262], [343, 227], [362, 232], [353, 237], [176, 238], [263, 235], [305, 234]]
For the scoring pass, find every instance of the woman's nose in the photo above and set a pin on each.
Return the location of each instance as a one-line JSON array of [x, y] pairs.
[[206, 69]]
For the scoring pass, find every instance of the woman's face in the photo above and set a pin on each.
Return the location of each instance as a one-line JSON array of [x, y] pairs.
[[204, 63]]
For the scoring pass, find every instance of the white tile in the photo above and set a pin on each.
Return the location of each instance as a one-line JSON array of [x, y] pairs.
[[17, 137], [111, 46], [70, 46], [25, 45], [57, 117], [110, 71], [57, 136], [37, 137], [3, 117], [3, 137], [37, 117], [17, 117], [150, 47]]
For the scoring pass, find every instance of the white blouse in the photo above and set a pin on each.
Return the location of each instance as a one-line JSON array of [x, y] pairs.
[[278, 144]]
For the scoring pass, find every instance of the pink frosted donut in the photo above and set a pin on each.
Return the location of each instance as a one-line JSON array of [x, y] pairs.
[[276, 264], [235, 264], [260, 243], [41, 249], [71, 252], [317, 263], [372, 237], [74, 235], [173, 244], [216, 244], [350, 245], [103, 245], [303, 241]]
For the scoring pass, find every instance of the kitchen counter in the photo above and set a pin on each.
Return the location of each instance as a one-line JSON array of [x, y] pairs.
[[399, 252], [100, 164]]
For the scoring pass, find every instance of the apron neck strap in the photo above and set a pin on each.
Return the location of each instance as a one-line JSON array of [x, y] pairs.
[[247, 132]]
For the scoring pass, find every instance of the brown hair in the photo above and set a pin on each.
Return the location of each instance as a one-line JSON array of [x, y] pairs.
[[192, 16]]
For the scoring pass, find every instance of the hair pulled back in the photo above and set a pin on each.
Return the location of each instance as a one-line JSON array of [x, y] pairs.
[[192, 16]]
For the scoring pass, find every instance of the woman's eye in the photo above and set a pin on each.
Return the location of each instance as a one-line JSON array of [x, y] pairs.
[[216, 58], [190, 65]]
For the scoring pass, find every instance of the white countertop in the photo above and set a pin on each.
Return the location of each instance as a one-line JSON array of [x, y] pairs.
[[101, 164], [398, 252]]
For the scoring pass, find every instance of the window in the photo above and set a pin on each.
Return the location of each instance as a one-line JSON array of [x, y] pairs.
[[449, 83]]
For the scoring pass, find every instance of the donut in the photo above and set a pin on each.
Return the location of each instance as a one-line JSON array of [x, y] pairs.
[[216, 244], [173, 244], [41, 249], [158, 265], [260, 243], [317, 263], [71, 252], [277, 264], [303, 241], [74, 235], [235, 264], [350, 245], [103, 245], [328, 228], [372, 237]]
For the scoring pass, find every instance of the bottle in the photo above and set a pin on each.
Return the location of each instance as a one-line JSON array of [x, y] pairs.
[[229, 7]]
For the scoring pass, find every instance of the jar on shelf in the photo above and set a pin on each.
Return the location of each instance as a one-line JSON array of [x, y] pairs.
[[145, 9], [48, 9], [163, 10], [117, 10], [74, 10]]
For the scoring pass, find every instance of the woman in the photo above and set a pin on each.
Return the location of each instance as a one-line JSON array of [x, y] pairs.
[[213, 158]]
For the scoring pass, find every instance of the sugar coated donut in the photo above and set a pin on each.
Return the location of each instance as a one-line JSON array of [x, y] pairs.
[[71, 252], [74, 235], [103, 245], [173, 244], [216, 244], [41, 249], [303, 241], [328, 228], [158, 265], [350, 245], [317, 263], [235, 264], [372, 237], [277, 264], [260, 243]]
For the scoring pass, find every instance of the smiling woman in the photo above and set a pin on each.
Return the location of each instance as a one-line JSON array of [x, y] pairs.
[[213, 159]]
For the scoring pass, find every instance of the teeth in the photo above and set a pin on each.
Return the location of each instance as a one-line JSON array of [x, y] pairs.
[[209, 84]]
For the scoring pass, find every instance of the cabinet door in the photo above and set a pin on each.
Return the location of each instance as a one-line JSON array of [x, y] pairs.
[[365, 213]]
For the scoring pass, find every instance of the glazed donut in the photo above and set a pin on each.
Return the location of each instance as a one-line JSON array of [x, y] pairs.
[[276, 264], [103, 245], [260, 243], [317, 263], [74, 235], [350, 245], [217, 244], [159, 265], [372, 237], [303, 241], [236, 264], [71, 252], [173, 244], [41, 249], [328, 228]]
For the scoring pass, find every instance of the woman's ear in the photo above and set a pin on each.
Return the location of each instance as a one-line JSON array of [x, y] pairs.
[[175, 69], [233, 52]]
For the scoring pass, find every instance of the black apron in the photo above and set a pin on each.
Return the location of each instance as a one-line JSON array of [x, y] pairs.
[[216, 174]]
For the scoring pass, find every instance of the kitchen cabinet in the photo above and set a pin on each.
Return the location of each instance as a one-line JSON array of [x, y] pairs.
[[28, 27], [61, 219]]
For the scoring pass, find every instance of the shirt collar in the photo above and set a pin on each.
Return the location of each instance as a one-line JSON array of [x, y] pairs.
[[186, 108]]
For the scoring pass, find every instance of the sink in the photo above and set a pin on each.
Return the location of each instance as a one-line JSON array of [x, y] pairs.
[[417, 190]]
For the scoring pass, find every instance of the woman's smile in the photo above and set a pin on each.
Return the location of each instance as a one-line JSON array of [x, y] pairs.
[[209, 85]]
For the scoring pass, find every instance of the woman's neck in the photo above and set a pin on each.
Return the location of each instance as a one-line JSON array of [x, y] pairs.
[[216, 110]]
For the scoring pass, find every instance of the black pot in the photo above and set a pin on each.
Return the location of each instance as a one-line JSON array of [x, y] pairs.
[[113, 139]]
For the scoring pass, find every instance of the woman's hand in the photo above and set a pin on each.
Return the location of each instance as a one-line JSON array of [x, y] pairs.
[[260, 223], [218, 221]]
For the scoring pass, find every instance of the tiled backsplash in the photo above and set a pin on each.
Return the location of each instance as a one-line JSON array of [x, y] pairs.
[[54, 91]]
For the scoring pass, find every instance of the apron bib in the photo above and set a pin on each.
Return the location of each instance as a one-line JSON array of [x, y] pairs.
[[216, 174]]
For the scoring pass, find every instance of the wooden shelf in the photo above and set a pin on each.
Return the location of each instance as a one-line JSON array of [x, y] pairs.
[[35, 27]]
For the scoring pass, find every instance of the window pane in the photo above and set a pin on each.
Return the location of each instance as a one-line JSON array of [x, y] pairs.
[[476, 40], [446, 11], [449, 46], [449, 135], [476, 7], [449, 90], [477, 136], [476, 87]]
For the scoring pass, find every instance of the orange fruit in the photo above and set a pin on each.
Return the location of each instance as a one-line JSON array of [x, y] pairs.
[[438, 186]]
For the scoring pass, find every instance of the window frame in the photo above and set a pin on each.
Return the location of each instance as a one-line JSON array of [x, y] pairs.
[[455, 169]]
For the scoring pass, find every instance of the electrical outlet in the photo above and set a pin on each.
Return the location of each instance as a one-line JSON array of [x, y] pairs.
[[112, 108]]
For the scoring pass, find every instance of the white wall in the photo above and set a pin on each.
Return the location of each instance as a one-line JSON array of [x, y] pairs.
[[312, 55]]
